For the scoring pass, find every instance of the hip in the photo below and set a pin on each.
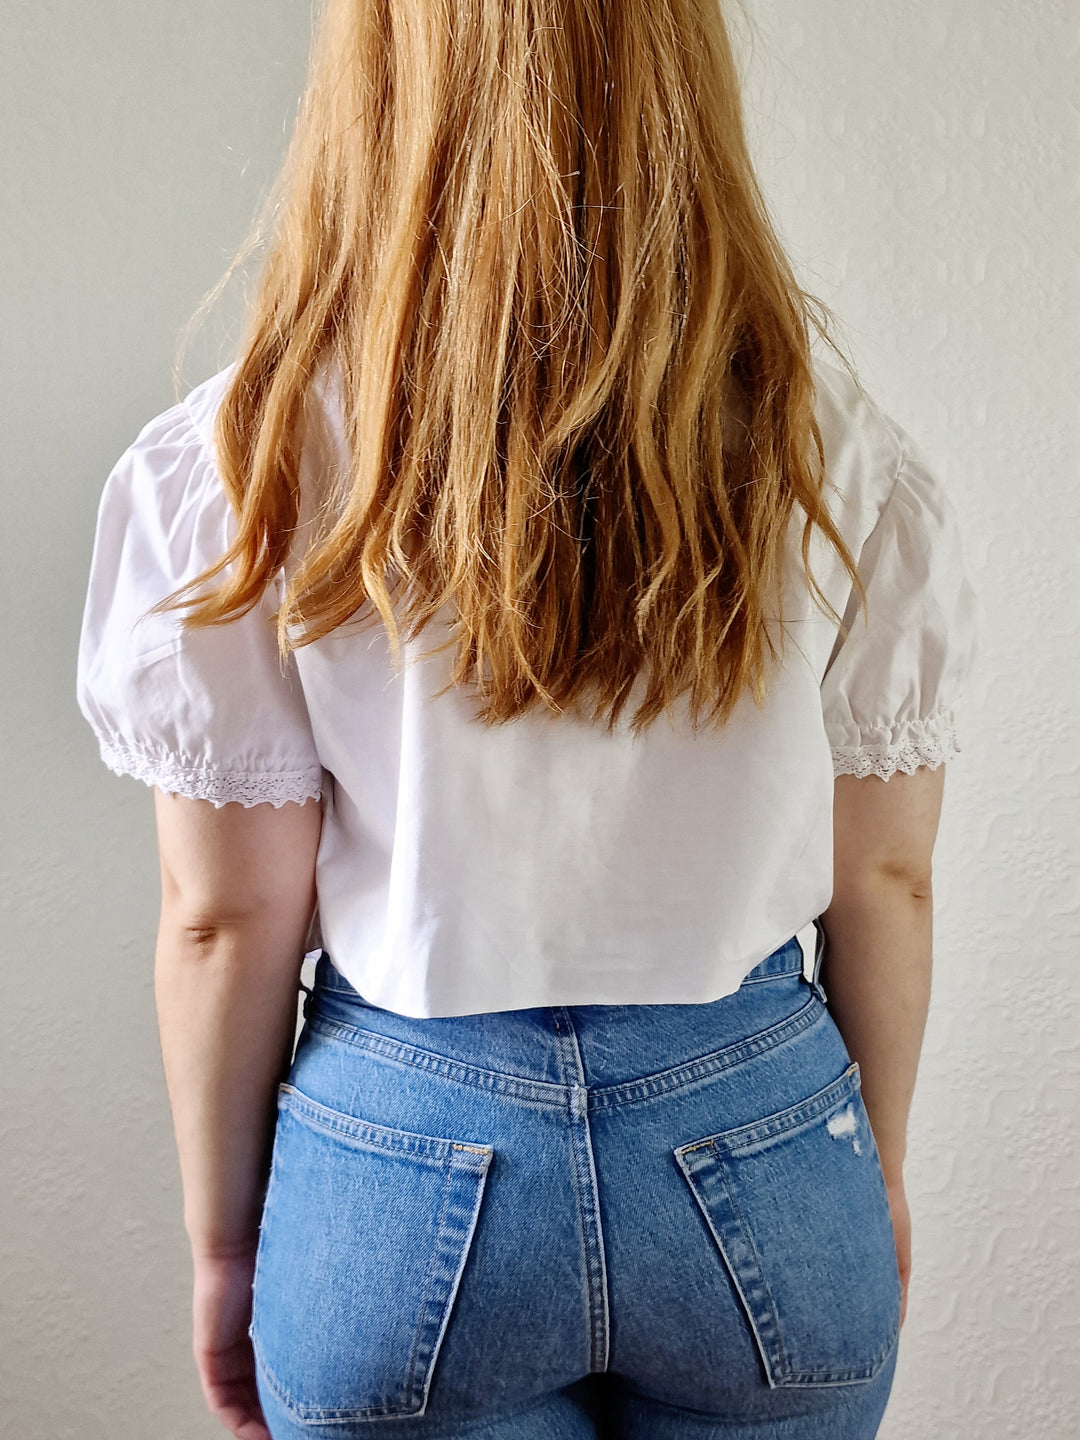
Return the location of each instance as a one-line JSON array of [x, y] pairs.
[[488, 1207]]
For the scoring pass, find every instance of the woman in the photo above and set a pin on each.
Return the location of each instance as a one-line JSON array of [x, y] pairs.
[[527, 625]]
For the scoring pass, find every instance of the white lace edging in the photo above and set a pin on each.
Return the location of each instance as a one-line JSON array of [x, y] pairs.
[[220, 787], [928, 749]]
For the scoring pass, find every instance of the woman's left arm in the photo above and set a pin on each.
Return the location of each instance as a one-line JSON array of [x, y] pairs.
[[238, 892]]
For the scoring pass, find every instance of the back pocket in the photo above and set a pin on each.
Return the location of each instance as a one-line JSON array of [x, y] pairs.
[[797, 1205], [363, 1242]]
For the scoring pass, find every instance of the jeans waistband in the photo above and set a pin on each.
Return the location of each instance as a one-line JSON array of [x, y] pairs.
[[576, 1045]]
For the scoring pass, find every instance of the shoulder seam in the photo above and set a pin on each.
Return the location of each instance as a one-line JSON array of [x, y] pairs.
[[901, 458], [198, 396], [206, 447]]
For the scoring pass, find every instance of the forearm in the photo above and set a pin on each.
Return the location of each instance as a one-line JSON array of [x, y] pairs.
[[226, 1001], [877, 973]]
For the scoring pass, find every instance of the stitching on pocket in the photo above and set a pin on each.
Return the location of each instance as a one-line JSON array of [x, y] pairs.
[[710, 1167], [365, 1133], [746, 1138], [464, 1166]]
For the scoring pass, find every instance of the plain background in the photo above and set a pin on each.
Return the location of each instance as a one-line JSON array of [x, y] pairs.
[[921, 159]]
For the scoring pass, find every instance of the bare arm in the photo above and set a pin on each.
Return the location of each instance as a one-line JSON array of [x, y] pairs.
[[879, 927], [237, 894]]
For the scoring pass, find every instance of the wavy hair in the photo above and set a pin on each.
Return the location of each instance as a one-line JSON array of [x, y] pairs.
[[576, 373]]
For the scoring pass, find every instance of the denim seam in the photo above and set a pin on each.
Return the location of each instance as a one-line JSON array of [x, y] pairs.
[[744, 1138], [542, 1092], [764, 1309], [821, 1379], [468, 1179], [539, 1092], [705, 1066], [459, 1169], [377, 1137], [586, 1190], [312, 1415], [772, 975], [699, 1175], [429, 1285], [704, 1158]]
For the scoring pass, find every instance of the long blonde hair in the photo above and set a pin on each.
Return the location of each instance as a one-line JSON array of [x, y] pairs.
[[578, 392]]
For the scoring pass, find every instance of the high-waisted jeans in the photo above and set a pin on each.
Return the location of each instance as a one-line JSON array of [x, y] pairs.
[[639, 1221]]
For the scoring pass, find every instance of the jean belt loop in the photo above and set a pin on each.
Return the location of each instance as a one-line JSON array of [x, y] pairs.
[[819, 951], [315, 958]]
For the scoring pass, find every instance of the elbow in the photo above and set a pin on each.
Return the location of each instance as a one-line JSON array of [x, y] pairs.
[[201, 916], [916, 882], [885, 882], [205, 930], [198, 936], [201, 937]]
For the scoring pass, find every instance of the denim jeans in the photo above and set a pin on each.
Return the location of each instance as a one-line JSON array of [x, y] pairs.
[[642, 1221]]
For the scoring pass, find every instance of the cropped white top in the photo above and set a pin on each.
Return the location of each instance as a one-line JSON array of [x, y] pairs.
[[465, 868]]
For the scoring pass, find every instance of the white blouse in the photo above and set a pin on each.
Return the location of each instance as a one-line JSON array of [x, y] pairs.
[[546, 861]]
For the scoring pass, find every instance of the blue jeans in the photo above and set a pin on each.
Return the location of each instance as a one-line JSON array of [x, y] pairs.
[[640, 1221]]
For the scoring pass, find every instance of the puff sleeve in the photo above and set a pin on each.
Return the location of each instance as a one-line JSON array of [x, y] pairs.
[[893, 681], [211, 713]]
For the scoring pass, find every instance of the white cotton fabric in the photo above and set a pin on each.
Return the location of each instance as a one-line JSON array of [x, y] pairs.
[[545, 862]]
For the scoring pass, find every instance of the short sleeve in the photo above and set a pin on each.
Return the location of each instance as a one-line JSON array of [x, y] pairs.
[[210, 713], [891, 688]]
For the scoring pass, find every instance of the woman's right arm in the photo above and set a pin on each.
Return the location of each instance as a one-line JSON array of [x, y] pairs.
[[878, 954]]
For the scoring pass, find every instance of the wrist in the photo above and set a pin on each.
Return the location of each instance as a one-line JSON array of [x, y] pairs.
[[892, 1167], [890, 1137]]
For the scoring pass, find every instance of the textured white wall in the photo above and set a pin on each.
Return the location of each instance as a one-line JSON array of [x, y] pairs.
[[139, 136], [921, 158]]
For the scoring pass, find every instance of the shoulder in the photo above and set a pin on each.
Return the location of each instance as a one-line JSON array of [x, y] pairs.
[[178, 441], [163, 508], [322, 432], [165, 493], [186, 428], [201, 404], [865, 450]]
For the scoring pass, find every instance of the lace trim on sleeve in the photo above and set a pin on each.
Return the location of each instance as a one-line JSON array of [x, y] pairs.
[[934, 743], [220, 787]]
